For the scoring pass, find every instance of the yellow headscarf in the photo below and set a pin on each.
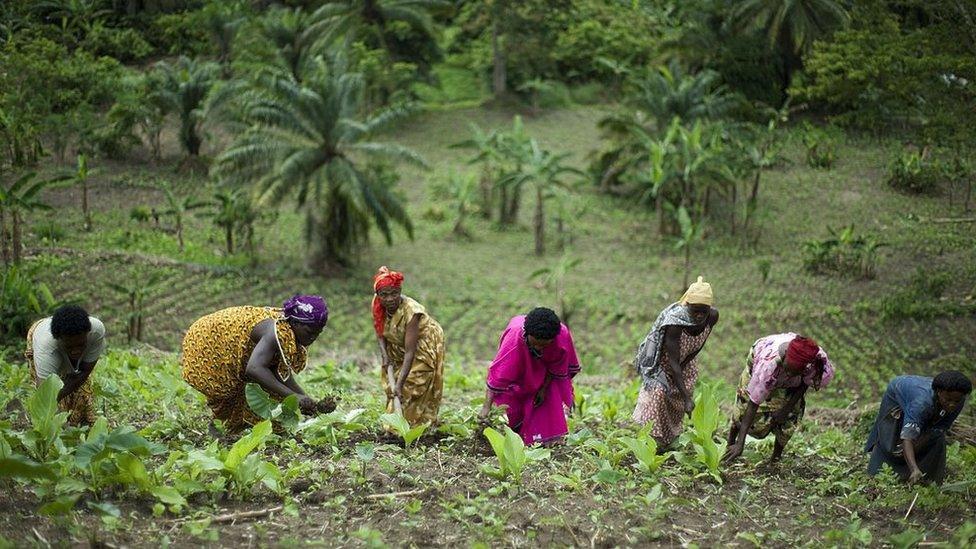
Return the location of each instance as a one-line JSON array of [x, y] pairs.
[[699, 293]]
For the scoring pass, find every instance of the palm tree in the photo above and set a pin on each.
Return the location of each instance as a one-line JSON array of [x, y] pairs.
[[544, 170], [462, 191], [367, 19], [185, 87], [790, 25], [234, 213], [81, 176], [20, 198], [684, 167], [178, 208], [658, 96], [307, 140], [293, 37], [487, 153], [554, 279]]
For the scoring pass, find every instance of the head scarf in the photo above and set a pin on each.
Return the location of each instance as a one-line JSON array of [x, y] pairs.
[[802, 351], [307, 309], [699, 293], [384, 278]]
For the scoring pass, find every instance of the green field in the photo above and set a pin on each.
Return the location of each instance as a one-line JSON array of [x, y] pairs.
[[588, 493]]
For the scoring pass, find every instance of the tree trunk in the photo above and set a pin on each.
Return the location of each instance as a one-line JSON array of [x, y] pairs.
[[132, 318], [561, 233], [513, 205], [659, 210], [502, 204], [735, 192], [15, 218], [4, 240], [179, 233], [540, 223], [753, 198], [459, 229], [84, 204], [499, 77], [485, 184], [229, 235]]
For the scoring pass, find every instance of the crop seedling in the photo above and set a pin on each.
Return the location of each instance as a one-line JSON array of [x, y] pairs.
[[704, 420], [512, 454], [644, 448], [402, 428]]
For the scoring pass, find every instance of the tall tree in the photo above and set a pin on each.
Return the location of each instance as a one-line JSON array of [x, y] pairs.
[[790, 25], [308, 141], [544, 170], [186, 85]]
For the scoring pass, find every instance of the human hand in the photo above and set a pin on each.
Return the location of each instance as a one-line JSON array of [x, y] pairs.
[[915, 476], [689, 407], [732, 453]]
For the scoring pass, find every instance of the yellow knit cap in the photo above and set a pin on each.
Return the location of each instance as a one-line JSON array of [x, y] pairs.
[[699, 293]]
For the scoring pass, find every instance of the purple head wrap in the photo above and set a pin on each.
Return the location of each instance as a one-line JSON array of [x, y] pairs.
[[307, 309]]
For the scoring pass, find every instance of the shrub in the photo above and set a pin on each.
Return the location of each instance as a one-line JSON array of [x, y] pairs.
[[22, 300], [921, 298], [126, 45], [845, 253], [821, 147], [50, 231], [914, 173]]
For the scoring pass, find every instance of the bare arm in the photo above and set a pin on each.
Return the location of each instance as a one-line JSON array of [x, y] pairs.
[[915, 474], [383, 352], [292, 384], [672, 345], [262, 358], [735, 450], [75, 380], [486, 409], [410, 339]]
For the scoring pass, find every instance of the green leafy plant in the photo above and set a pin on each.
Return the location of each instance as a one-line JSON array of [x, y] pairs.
[[845, 252], [402, 428], [512, 454], [821, 147], [915, 173], [285, 412], [244, 468], [705, 419], [43, 441], [22, 299], [644, 448]]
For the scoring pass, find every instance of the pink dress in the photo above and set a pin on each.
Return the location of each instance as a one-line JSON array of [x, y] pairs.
[[663, 404], [516, 375]]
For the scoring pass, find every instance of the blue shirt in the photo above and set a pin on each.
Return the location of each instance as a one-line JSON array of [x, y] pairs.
[[916, 398]]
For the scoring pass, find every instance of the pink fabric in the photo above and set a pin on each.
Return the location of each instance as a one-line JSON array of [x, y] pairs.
[[515, 376], [767, 376]]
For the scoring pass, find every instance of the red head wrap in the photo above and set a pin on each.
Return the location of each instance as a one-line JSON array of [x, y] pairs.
[[802, 351], [384, 278]]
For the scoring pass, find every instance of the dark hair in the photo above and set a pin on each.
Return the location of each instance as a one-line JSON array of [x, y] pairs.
[[542, 323], [953, 381], [70, 320]]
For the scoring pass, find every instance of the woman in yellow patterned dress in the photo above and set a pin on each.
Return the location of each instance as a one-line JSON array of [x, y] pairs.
[[413, 343], [224, 351]]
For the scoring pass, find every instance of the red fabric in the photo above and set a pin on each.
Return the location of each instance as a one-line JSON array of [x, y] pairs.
[[802, 351], [384, 278]]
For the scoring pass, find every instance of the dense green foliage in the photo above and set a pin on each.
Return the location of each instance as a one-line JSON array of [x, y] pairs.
[[162, 159]]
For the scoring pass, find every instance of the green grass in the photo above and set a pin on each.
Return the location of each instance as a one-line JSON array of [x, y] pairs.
[[627, 275]]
